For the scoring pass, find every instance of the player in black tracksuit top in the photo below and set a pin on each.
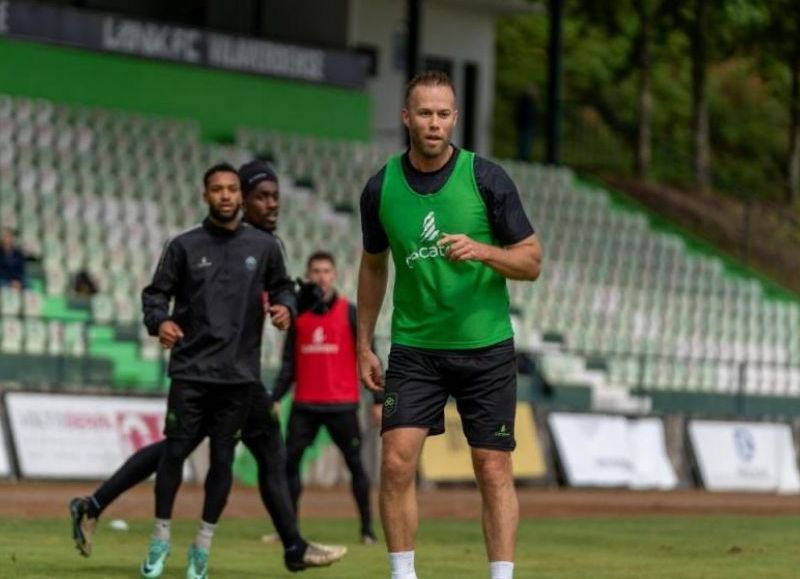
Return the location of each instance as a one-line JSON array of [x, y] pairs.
[[261, 433], [215, 275]]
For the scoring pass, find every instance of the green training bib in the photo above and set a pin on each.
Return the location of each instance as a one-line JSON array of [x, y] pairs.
[[441, 304]]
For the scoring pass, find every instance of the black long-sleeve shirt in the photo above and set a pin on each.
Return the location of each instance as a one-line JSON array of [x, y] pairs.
[[286, 375], [216, 278]]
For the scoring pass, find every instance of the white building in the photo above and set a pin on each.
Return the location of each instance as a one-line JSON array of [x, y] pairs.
[[457, 36]]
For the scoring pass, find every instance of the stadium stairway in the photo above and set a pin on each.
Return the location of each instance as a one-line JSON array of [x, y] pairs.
[[130, 371]]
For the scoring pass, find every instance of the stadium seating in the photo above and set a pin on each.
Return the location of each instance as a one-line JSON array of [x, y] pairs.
[[103, 190], [661, 315]]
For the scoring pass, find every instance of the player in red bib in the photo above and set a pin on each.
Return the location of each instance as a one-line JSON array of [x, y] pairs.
[[319, 357]]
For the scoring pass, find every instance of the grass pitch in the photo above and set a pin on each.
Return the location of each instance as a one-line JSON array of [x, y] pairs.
[[579, 548]]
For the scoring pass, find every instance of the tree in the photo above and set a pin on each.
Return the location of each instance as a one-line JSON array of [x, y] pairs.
[[782, 36], [771, 29], [701, 144], [638, 96], [706, 43], [794, 107], [614, 17], [644, 49]]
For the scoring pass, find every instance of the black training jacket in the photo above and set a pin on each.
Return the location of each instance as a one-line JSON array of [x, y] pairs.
[[217, 278]]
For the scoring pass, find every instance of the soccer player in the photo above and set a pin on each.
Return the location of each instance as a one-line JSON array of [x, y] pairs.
[[319, 357], [261, 433], [216, 274], [455, 228]]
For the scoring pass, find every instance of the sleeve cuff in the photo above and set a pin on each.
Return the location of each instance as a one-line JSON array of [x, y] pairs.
[[154, 323]]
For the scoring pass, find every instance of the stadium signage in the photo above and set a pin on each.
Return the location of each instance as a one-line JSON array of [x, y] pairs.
[[134, 37], [151, 40], [599, 450], [261, 57], [745, 456], [68, 436]]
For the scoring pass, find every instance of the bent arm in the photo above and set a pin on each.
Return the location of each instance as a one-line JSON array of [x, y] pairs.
[[156, 296], [520, 261], [373, 275]]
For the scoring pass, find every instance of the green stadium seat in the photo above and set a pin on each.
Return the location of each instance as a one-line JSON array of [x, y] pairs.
[[103, 190], [10, 301], [12, 335], [32, 303], [74, 339], [102, 309]]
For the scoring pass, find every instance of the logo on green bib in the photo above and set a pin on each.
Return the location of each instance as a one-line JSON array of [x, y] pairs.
[[430, 233]]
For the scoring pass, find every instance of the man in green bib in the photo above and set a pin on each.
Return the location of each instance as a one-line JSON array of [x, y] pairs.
[[455, 228]]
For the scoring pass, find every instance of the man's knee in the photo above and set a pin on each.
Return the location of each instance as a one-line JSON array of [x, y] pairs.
[[400, 453], [293, 457], [398, 466], [294, 451], [352, 457], [492, 468], [270, 457], [221, 453], [177, 450]]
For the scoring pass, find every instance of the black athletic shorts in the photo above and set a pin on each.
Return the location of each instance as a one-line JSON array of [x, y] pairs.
[[304, 424], [483, 382], [261, 418], [197, 409]]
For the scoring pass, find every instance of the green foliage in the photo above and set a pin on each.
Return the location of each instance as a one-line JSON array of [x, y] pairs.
[[746, 156], [524, 43], [750, 46]]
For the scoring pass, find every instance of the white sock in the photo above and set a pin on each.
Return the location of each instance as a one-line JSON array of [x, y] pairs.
[[402, 565], [204, 535], [501, 570], [161, 530]]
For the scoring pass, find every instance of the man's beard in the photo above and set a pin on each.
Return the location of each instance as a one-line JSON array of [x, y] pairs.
[[423, 150], [262, 223], [220, 217], [270, 221]]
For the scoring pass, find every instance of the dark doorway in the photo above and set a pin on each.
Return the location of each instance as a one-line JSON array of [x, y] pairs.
[[470, 112]]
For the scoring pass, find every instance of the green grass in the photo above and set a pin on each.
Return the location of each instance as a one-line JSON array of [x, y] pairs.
[[636, 548]]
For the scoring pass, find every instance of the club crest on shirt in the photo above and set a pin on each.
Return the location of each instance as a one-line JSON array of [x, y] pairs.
[[390, 404]]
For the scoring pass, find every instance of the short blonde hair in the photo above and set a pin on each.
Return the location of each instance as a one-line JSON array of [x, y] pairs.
[[429, 78]]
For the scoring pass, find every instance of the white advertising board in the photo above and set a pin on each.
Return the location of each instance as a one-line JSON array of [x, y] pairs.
[[652, 468], [80, 437], [5, 463], [599, 450], [745, 456]]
